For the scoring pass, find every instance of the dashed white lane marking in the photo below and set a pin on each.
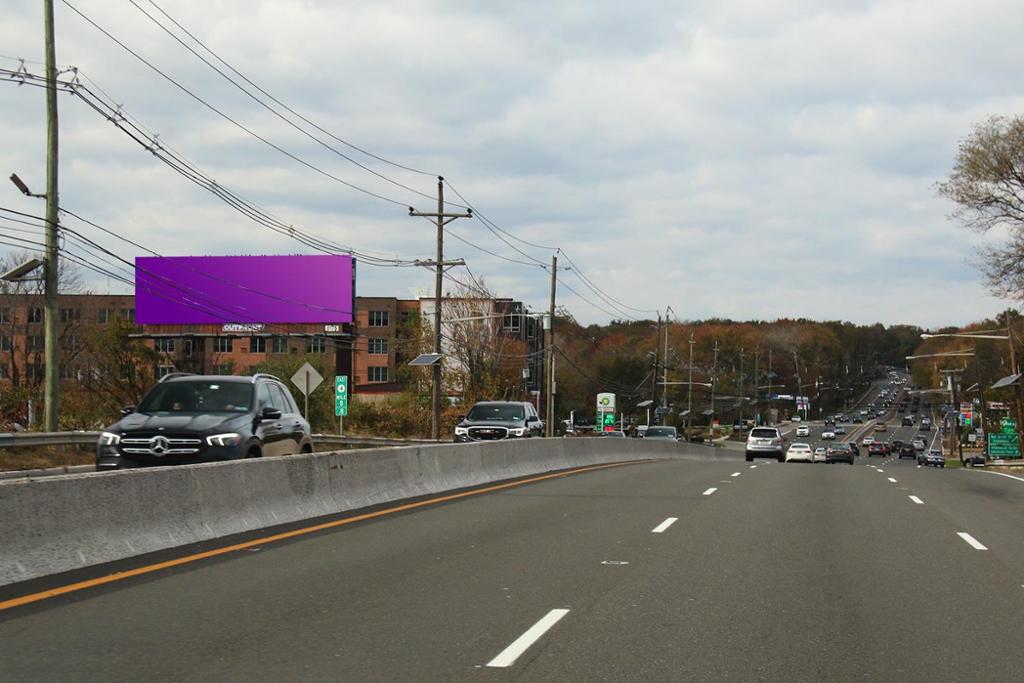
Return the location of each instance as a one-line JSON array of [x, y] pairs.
[[880, 469], [710, 491], [892, 480], [753, 467], [735, 474], [916, 500], [511, 653], [664, 525], [971, 541]]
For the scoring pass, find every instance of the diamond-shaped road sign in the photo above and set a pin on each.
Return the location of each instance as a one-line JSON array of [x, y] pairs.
[[307, 379]]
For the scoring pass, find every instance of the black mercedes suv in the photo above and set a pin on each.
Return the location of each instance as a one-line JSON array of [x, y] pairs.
[[205, 418], [490, 420]]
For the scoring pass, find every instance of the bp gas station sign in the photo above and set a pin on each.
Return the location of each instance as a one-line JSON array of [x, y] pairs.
[[606, 412]]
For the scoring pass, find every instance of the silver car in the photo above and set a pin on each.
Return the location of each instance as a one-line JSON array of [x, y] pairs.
[[765, 442], [661, 434]]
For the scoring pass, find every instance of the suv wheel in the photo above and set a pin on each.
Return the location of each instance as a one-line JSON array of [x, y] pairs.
[[750, 457], [782, 457], [254, 452]]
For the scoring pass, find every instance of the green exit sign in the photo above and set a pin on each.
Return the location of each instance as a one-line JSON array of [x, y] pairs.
[[341, 395]]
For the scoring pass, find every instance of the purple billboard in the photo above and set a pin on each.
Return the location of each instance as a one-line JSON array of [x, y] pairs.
[[203, 290]]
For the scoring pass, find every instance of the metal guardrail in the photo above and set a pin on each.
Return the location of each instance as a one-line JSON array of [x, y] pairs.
[[29, 439]]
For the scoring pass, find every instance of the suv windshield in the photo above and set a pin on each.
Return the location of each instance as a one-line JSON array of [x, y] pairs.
[[763, 433], [496, 413], [198, 396]]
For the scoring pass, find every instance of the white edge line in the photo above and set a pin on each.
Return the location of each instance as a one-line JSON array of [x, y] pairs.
[[511, 653], [710, 491], [998, 474], [664, 525], [971, 540], [916, 500]]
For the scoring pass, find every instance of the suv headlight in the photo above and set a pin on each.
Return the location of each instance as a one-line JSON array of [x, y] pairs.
[[230, 439], [461, 431], [109, 439], [521, 431]]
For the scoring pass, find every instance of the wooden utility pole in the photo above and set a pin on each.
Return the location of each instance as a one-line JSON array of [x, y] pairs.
[[1015, 369], [51, 395], [549, 422], [442, 219], [741, 384]]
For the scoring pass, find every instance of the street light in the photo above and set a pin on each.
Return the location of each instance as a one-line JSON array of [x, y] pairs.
[[940, 355]]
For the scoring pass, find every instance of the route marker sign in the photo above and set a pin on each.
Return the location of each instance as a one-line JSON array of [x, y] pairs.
[[340, 395]]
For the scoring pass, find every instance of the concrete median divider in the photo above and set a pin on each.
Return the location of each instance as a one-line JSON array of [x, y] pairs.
[[60, 523]]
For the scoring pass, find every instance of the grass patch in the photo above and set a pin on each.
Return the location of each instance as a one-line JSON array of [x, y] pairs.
[[41, 457]]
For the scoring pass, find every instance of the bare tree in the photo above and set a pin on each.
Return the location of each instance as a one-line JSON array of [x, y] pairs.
[[987, 185]]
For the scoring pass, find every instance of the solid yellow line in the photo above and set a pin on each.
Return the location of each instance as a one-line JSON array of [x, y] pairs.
[[138, 571]]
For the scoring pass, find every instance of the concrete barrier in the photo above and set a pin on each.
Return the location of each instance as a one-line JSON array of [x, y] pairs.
[[60, 523]]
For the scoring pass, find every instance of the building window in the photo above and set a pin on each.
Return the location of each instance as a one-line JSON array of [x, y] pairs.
[[510, 323], [5, 314], [164, 344], [73, 343], [4, 372], [377, 374], [34, 342], [128, 314], [380, 318], [280, 345], [316, 345], [103, 315], [223, 345], [222, 369], [406, 316], [377, 346], [163, 370], [258, 345], [5, 343], [36, 373], [35, 314], [70, 315], [192, 346]]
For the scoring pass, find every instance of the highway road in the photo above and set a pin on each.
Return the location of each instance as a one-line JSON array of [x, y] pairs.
[[661, 571]]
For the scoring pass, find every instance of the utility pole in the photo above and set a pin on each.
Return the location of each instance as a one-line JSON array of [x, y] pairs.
[[51, 353], [741, 384], [664, 377], [1015, 369], [796, 368], [442, 220], [757, 387], [654, 372], [549, 427], [689, 391], [714, 381]]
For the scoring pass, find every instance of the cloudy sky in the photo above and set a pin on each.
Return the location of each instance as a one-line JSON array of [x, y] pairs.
[[729, 158]]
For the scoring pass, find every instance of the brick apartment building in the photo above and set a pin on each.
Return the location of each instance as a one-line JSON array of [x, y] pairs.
[[371, 351], [21, 331]]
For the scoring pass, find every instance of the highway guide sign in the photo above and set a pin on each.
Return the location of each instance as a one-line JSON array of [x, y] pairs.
[[340, 395], [1003, 446]]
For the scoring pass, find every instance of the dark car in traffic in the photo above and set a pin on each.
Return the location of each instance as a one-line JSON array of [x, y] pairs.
[[206, 418], [907, 450], [495, 420], [839, 452]]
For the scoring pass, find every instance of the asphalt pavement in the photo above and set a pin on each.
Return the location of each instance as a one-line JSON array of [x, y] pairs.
[[661, 571]]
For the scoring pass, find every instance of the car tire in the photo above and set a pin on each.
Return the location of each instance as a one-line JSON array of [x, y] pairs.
[[254, 452], [782, 458], [750, 458]]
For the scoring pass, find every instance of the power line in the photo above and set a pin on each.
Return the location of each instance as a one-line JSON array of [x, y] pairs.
[[228, 118], [285, 106], [258, 100]]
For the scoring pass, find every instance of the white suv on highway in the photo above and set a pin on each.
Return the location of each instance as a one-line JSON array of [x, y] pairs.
[[765, 442]]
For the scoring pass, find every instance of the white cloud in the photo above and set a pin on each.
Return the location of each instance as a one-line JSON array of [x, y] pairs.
[[748, 159]]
